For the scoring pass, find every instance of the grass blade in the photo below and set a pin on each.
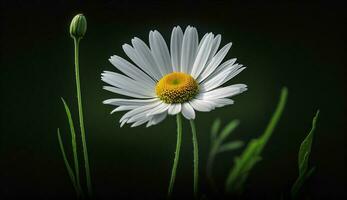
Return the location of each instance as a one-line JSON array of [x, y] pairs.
[[73, 141], [218, 147], [67, 165], [230, 146], [229, 128], [305, 147], [251, 155], [304, 153], [215, 128]]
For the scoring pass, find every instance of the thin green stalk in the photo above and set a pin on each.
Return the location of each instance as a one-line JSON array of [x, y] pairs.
[[80, 112], [196, 158], [177, 154], [68, 167], [73, 143], [251, 155]]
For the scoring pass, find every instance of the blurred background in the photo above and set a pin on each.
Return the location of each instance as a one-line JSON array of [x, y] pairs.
[[284, 44]]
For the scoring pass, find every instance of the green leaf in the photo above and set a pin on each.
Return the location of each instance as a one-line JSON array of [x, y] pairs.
[[74, 147], [230, 146], [215, 129], [300, 182], [305, 147], [252, 154], [303, 157], [229, 128], [73, 138], [69, 170]]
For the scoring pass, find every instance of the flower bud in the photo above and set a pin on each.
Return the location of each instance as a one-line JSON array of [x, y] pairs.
[[78, 26]]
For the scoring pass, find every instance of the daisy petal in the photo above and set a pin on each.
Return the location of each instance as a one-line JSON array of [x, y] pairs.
[[188, 111], [189, 47], [133, 55], [156, 119], [126, 83], [223, 71], [139, 110], [224, 65], [139, 123], [201, 105], [202, 55], [223, 102], [139, 117], [233, 74], [223, 92], [146, 57], [214, 82], [130, 70], [159, 109], [125, 92], [129, 102], [160, 52], [123, 108], [215, 61], [215, 46], [176, 48], [220, 76], [174, 109]]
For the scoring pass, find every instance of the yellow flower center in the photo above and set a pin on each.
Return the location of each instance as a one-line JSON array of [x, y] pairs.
[[176, 87]]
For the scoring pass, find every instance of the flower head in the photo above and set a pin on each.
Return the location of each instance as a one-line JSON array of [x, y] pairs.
[[186, 79]]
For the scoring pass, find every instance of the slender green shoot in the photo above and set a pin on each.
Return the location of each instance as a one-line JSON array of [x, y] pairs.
[[73, 143], [67, 165], [217, 145], [196, 159], [304, 153], [215, 128], [252, 154], [230, 146], [177, 154]]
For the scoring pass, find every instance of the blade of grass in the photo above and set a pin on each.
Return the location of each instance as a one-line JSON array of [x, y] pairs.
[[230, 146], [67, 165], [251, 155], [216, 142], [303, 156], [214, 129], [305, 147], [73, 142], [229, 128]]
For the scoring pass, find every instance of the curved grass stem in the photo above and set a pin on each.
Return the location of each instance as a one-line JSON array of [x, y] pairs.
[[74, 145], [67, 165], [177, 154]]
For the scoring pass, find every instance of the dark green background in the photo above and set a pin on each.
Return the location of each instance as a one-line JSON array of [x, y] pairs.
[[289, 44]]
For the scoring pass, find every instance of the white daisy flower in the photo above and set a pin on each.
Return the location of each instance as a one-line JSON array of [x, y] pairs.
[[184, 79]]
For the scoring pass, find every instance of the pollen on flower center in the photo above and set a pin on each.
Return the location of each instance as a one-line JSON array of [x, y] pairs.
[[176, 87]]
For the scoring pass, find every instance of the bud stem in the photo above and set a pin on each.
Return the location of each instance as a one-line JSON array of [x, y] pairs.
[[80, 113]]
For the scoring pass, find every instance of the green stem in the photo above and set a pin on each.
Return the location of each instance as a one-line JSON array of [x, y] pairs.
[[80, 112], [177, 154], [196, 158]]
